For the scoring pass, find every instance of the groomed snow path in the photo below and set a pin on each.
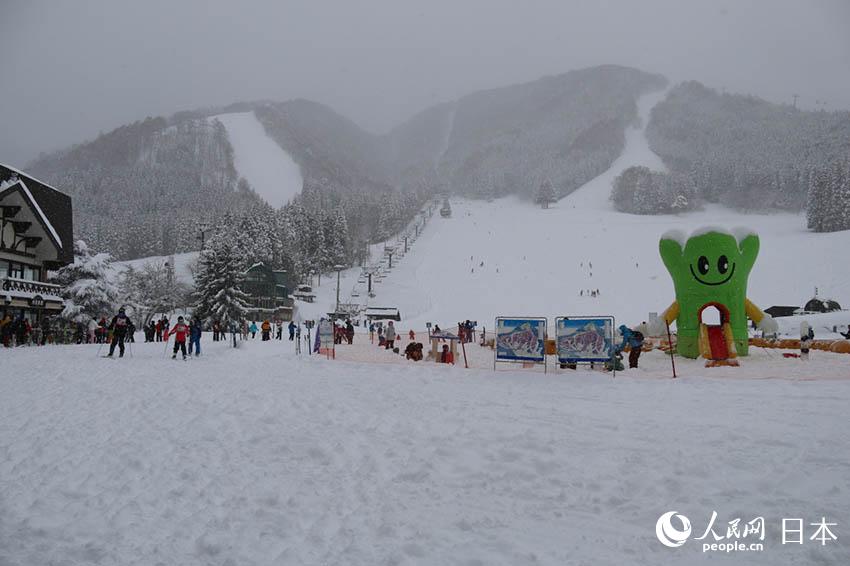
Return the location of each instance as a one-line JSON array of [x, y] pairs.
[[269, 169], [257, 457]]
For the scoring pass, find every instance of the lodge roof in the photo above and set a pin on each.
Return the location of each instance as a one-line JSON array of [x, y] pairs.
[[53, 207]]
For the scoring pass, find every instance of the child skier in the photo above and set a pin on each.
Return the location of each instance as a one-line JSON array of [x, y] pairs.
[[180, 331]]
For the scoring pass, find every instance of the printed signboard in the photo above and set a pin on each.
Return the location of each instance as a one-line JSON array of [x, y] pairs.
[[520, 339], [584, 339]]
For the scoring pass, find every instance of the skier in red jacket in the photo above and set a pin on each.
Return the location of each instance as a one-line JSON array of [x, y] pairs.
[[181, 332]]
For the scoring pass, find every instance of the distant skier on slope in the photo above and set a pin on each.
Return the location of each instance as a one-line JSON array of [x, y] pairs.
[[119, 325]]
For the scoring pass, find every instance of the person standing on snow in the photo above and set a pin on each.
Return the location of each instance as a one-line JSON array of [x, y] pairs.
[[279, 325], [634, 339], [291, 327], [180, 331], [390, 336], [806, 337], [267, 330], [253, 329], [195, 332], [119, 326]]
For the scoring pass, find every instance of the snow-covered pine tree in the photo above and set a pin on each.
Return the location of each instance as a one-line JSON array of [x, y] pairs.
[[86, 287], [545, 194], [218, 281]]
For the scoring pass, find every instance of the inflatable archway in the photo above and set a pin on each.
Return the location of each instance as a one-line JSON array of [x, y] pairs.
[[710, 268]]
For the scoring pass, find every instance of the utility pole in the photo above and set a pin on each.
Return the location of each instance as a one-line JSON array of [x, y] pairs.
[[203, 227], [795, 97], [369, 276], [338, 269], [391, 259], [405, 244]]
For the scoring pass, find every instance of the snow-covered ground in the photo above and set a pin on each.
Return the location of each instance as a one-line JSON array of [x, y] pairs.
[[269, 169], [183, 265], [257, 456], [511, 258]]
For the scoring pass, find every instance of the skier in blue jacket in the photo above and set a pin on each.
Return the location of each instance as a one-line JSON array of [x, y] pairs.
[[195, 330], [634, 339]]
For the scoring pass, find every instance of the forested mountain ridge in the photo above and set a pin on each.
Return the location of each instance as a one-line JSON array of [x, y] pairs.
[[142, 189]]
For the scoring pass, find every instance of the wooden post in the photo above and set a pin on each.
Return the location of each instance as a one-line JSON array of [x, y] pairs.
[[670, 345], [465, 362]]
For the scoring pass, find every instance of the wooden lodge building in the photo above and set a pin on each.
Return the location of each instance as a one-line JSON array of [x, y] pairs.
[[36, 236], [268, 293]]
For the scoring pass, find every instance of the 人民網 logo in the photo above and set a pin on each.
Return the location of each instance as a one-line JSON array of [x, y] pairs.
[[669, 534]]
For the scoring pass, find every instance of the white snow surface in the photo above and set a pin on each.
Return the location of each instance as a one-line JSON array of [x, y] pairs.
[[270, 170], [183, 265], [536, 262], [257, 456]]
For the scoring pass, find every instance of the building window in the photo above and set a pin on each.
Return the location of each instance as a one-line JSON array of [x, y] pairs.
[[31, 273], [16, 270], [4, 268]]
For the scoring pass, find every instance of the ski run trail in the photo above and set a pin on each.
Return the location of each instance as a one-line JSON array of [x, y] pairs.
[[260, 456], [270, 170], [510, 258]]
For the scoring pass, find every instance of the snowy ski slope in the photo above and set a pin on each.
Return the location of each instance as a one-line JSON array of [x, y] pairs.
[[537, 262], [260, 160]]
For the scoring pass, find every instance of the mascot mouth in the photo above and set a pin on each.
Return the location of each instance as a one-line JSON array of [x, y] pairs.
[[728, 277]]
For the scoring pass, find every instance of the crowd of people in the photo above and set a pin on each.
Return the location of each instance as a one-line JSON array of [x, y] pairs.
[[20, 331]]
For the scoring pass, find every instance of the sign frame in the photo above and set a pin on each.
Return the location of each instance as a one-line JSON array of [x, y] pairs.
[[541, 323], [609, 335]]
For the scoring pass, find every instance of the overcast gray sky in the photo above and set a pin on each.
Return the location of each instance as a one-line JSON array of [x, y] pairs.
[[71, 69]]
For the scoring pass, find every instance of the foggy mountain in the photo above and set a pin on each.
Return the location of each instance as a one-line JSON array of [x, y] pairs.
[[566, 129], [744, 152]]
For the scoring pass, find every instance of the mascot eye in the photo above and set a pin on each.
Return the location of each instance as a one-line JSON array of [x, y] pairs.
[[723, 264], [702, 264]]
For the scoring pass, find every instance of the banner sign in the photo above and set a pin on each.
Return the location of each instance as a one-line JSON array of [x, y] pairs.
[[326, 336], [584, 339], [521, 339]]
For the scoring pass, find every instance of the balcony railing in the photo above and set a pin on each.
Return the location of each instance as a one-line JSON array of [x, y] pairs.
[[13, 284]]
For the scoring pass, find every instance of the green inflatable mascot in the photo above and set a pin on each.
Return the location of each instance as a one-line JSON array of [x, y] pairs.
[[710, 269]]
